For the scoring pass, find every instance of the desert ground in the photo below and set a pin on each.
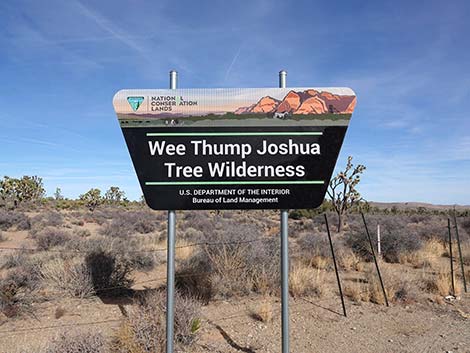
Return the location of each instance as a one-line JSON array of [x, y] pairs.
[[75, 280]]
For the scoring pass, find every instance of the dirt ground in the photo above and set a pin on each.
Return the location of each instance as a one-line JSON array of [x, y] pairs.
[[316, 324]]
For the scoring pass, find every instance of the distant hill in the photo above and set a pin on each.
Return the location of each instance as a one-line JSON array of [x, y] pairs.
[[414, 205]]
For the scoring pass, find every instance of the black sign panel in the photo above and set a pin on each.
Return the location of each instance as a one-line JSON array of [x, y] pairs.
[[282, 158]]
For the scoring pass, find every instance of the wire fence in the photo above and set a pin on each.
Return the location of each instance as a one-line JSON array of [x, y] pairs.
[[304, 304]]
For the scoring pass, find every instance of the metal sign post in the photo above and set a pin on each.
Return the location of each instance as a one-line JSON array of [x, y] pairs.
[[284, 258], [170, 266]]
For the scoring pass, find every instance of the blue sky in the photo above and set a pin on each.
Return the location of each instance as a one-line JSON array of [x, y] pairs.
[[408, 61]]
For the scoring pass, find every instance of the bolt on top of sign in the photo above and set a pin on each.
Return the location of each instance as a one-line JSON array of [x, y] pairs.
[[234, 148]]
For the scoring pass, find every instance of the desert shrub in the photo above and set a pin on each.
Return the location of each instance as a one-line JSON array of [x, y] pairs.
[[10, 219], [237, 261], [144, 328], [192, 234], [199, 220], [50, 237], [129, 223], [45, 220], [14, 259], [16, 291], [315, 249], [78, 342], [82, 233], [110, 275], [14, 298], [394, 243], [117, 228], [420, 218], [465, 224], [434, 229], [240, 268], [144, 222], [52, 219], [127, 250], [72, 277], [193, 277], [359, 244], [398, 242], [77, 222]]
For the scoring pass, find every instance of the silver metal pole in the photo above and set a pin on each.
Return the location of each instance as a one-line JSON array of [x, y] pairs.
[[173, 79], [282, 78], [284, 258], [170, 265]]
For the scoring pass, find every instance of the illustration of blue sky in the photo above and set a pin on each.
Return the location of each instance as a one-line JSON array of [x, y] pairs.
[[61, 62]]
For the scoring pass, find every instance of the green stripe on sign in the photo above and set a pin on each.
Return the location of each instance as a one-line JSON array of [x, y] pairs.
[[235, 182], [296, 133]]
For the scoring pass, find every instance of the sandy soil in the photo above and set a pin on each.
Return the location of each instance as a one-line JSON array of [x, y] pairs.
[[316, 326]]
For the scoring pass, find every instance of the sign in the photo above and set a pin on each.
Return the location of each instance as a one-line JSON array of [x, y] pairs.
[[234, 148]]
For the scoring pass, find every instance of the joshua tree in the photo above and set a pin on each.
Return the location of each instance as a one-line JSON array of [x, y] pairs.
[[92, 199], [26, 189], [114, 195], [342, 189], [58, 194]]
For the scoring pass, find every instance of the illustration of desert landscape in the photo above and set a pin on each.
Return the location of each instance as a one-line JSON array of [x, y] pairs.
[[278, 107]]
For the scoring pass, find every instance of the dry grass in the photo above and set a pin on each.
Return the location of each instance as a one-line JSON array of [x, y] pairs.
[[349, 261], [125, 340], [320, 262], [353, 291], [398, 286], [305, 280], [428, 256], [440, 282], [263, 311]]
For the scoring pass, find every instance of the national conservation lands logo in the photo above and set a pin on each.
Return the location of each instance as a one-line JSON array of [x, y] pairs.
[[167, 103], [135, 102], [161, 103]]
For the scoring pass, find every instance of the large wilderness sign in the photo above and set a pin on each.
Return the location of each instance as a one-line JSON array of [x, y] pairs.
[[243, 148]]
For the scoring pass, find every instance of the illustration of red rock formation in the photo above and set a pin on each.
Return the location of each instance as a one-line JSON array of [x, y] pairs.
[[307, 102], [312, 105], [290, 103], [265, 105]]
